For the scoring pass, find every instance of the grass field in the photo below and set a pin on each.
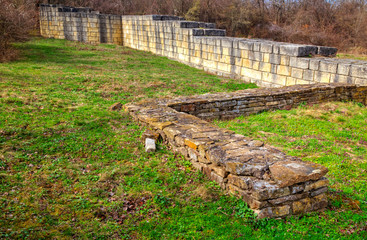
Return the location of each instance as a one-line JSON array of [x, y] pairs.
[[70, 168]]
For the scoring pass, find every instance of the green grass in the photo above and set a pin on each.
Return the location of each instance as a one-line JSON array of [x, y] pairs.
[[70, 168], [352, 56], [332, 134]]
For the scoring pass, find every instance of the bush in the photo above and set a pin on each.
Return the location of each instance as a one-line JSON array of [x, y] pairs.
[[17, 19]]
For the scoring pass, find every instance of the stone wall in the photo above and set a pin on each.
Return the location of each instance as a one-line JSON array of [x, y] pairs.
[[80, 24], [267, 63], [272, 183]]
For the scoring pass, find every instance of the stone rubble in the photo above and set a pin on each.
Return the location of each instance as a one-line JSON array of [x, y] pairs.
[[269, 181]]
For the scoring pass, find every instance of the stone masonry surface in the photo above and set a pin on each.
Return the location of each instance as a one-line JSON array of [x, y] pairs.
[[269, 181], [198, 44]]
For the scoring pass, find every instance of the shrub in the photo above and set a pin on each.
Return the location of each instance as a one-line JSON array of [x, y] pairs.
[[17, 19]]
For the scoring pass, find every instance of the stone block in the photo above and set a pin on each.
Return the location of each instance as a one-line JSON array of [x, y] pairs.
[[240, 181], [266, 47], [327, 51], [273, 212], [308, 75], [198, 32], [214, 32], [284, 60], [189, 24], [297, 50], [221, 171], [322, 77], [319, 191], [150, 145], [344, 68], [265, 67], [275, 59], [218, 179], [302, 63], [256, 46], [266, 57], [297, 73], [328, 66], [245, 45], [302, 206], [283, 70], [288, 173], [359, 71], [323, 182]]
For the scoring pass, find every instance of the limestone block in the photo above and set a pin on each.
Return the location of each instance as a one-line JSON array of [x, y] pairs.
[[266, 57], [251, 73], [323, 182], [245, 45], [308, 75], [255, 65], [266, 47], [150, 145], [297, 73], [256, 56], [302, 63], [284, 60], [288, 173], [284, 70], [322, 77], [328, 66], [358, 70], [256, 46], [214, 32], [327, 51], [297, 50], [265, 67], [247, 63]]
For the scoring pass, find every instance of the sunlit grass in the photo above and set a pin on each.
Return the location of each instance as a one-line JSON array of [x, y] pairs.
[[71, 168]]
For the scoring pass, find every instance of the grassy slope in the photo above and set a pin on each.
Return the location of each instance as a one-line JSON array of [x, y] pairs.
[[69, 167]]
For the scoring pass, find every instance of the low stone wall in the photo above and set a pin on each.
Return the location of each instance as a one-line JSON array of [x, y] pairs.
[[272, 183], [266, 63]]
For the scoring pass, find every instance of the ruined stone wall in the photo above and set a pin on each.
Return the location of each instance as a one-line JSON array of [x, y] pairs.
[[266, 63], [271, 182], [79, 24]]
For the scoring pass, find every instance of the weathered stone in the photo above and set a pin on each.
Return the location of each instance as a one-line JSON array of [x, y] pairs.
[[291, 172], [203, 160], [150, 145], [289, 198], [193, 155], [272, 212], [316, 185], [262, 176], [116, 107], [193, 143], [319, 202], [302, 206], [215, 155], [256, 143], [207, 170], [220, 171], [297, 188], [197, 166], [319, 191], [150, 134], [241, 182], [218, 179], [245, 166], [263, 190]]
